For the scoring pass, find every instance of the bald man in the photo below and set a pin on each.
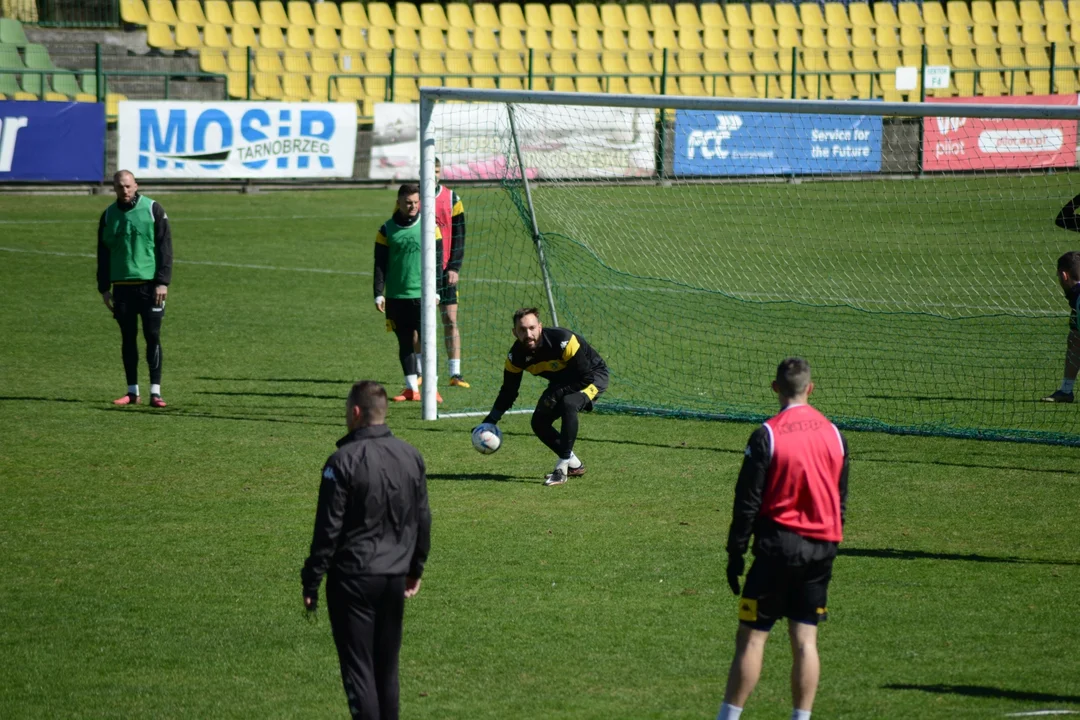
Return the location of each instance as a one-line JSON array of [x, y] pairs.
[[134, 268]]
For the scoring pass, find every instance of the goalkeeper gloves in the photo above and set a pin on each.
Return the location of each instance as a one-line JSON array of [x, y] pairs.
[[735, 567]]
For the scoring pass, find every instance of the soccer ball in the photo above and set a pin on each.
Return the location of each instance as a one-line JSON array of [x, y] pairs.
[[486, 438]]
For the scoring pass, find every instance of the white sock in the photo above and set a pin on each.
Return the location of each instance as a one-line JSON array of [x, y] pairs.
[[410, 382], [729, 712], [1067, 385], [155, 389], [575, 461], [455, 366], [563, 465], [797, 714], [133, 388]]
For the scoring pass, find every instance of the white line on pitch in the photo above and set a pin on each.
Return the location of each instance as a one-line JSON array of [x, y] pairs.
[[1034, 713]]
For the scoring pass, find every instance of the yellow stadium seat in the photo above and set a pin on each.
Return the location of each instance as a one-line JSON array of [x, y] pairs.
[[1038, 57], [296, 61], [405, 90], [611, 16], [958, 13], [909, 14], [1065, 82], [271, 37], [740, 39], [861, 15], [689, 61], [690, 40], [406, 38], [862, 38], [212, 60], [1033, 34], [485, 39], [766, 61], [959, 36], [638, 39], [563, 39], [246, 12], [1013, 57], [378, 38], [216, 36], [161, 11], [742, 84], [434, 16], [885, 14], [537, 39], [459, 15], [614, 63], [459, 68], [637, 16], [662, 17], [323, 61], [352, 38], [983, 35], [864, 60], [298, 38], [511, 63], [458, 38], [511, 39], [268, 61], [562, 16], [484, 63], [836, 15], [326, 38], [616, 84], [788, 37], [837, 37], [739, 17], [911, 57], [814, 38], [764, 38], [1074, 32], [811, 15], [320, 91], [712, 15], [218, 13], [614, 39], [375, 88], [159, 36], [327, 15], [112, 104], [1055, 12], [987, 58], [666, 38], [243, 36], [432, 38], [352, 63], [1058, 33], [299, 13], [348, 89], [1007, 13], [190, 11], [761, 14], [910, 36], [485, 16], [714, 39], [588, 16], [982, 13], [536, 17], [273, 13], [353, 14], [431, 63], [889, 60], [407, 15], [589, 39], [1009, 35], [187, 36], [268, 85], [134, 12], [934, 14], [380, 15]]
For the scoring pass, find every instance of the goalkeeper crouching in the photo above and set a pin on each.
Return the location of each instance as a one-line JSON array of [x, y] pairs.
[[576, 374]]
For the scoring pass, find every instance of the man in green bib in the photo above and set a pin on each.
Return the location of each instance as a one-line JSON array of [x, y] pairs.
[[397, 283], [134, 258]]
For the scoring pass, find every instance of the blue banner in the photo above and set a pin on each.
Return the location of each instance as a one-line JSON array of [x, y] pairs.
[[52, 141], [750, 143]]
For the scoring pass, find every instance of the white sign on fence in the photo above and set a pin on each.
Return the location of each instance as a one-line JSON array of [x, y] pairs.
[[226, 140], [936, 77]]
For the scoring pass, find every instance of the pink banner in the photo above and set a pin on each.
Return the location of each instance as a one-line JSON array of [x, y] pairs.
[[959, 143]]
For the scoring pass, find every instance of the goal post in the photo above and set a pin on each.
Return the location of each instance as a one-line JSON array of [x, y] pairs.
[[906, 249]]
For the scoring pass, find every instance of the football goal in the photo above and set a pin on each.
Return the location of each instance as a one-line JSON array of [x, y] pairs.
[[907, 250]]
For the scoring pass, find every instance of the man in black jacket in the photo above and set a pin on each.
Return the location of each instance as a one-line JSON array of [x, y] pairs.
[[372, 536]]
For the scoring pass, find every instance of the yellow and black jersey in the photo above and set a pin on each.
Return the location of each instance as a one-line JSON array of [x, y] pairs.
[[562, 357]]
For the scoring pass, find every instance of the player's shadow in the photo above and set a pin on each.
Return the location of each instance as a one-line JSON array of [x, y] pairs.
[[936, 398], [867, 456], [985, 691], [248, 393], [482, 477], [314, 381], [29, 398], [896, 554], [176, 413]]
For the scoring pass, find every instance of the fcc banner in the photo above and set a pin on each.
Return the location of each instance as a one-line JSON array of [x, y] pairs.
[[226, 140], [957, 143], [726, 143], [50, 141], [474, 142]]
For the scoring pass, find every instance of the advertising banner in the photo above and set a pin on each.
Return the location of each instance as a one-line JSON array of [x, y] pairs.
[[751, 143], [52, 141], [957, 143], [227, 140], [473, 142]]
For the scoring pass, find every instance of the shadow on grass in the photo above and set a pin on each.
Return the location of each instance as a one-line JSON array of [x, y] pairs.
[[938, 398], [860, 457], [985, 691], [181, 414], [41, 399], [248, 393], [313, 381], [895, 554], [482, 477]]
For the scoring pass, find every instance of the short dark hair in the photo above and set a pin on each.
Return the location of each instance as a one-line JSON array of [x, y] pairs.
[[1070, 263], [438, 162], [522, 312], [792, 376], [370, 397], [408, 189]]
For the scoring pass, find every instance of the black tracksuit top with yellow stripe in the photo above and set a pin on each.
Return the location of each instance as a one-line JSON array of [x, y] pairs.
[[562, 357]]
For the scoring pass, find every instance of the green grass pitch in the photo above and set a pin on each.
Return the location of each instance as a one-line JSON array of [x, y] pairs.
[[150, 558]]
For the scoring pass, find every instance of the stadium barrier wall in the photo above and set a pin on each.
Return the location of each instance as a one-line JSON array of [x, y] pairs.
[[51, 142]]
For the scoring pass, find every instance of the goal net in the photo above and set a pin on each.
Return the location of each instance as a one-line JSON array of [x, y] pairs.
[[908, 251]]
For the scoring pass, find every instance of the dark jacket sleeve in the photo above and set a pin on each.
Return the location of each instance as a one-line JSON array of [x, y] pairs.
[[423, 533], [507, 395], [329, 517], [749, 490], [843, 481], [162, 245], [457, 239], [1067, 218], [103, 257], [382, 258]]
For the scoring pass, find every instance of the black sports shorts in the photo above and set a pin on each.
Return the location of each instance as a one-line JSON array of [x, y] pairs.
[[447, 292], [402, 315], [775, 589]]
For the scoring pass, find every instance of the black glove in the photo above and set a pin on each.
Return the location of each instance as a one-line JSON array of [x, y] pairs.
[[311, 601], [735, 567]]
